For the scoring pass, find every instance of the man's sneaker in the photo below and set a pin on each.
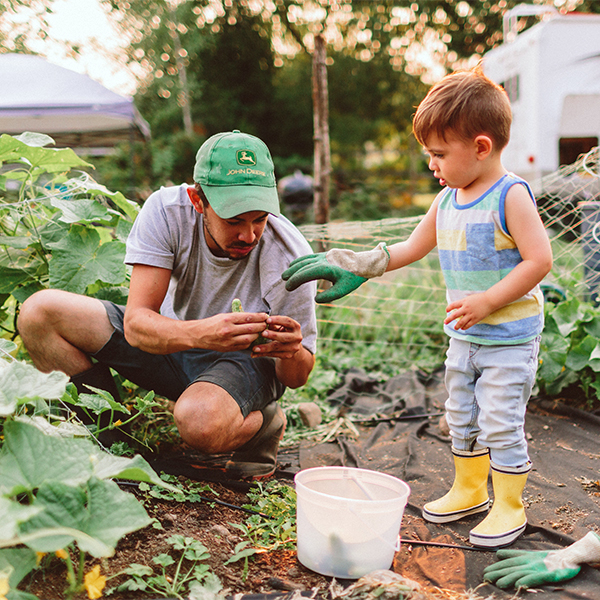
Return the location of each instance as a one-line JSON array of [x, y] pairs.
[[257, 458]]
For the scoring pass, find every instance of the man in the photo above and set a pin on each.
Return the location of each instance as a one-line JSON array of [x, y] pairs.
[[193, 250]]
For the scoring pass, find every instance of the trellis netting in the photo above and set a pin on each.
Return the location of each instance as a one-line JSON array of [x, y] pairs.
[[399, 316]]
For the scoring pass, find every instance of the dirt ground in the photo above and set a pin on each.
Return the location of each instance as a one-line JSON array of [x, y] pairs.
[[271, 574]]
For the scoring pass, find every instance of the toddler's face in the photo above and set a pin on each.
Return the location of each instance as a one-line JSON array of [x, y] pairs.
[[453, 160]]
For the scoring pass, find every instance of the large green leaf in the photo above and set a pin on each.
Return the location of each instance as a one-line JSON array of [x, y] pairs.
[[568, 316], [18, 242], [137, 468], [19, 561], [11, 278], [100, 511], [20, 381], [553, 355], [579, 355], [79, 260], [26, 148], [75, 211], [29, 458], [12, 514]]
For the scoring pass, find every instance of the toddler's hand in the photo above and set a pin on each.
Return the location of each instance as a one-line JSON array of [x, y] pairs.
[[468, 311]]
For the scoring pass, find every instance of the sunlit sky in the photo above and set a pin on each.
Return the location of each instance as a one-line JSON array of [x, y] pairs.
[[84, 22]]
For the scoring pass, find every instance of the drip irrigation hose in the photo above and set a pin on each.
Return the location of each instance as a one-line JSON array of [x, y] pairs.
[[399, 418], [441, 545]]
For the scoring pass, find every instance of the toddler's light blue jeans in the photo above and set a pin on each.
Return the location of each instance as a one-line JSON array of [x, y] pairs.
[[488, 390]]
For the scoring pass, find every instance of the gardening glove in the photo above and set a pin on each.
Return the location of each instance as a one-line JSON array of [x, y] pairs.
[[344, 268], [524, 569]]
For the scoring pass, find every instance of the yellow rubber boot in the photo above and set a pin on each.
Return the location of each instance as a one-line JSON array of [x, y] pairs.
[[468, 494], [507, 520]]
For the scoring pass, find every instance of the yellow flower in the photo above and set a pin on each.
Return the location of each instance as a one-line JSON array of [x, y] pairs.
[[62, 553], [38, 558], [118, 423], [4, 588], [94, 583]]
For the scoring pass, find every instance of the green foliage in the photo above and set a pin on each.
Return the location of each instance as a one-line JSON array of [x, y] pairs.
[[55, 230], [175, 576], [178, 492], [275, 526], [570, 350], [57, 491]]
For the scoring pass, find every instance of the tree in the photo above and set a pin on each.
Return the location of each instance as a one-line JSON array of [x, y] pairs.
[[20, 22], [246, 64]]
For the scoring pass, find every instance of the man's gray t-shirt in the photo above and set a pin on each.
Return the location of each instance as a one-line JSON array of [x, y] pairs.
[[168, 233]]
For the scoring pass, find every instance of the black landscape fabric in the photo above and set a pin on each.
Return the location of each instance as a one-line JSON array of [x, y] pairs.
[[562, 494], [400, 435]]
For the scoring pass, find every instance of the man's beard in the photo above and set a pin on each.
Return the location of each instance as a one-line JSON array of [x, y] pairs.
[[222, 252]]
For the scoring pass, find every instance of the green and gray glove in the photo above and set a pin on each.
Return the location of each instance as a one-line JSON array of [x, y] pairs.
[[346, 269], [523, 569]]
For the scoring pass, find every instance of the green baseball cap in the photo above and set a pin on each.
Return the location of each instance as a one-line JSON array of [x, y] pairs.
[[236, 173]]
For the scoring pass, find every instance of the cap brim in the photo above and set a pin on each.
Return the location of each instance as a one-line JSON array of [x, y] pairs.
[[233, 200]]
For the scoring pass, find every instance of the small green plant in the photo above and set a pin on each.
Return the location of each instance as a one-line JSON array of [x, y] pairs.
[[191, 491], [100, 403], [273, 526], [175, 575]]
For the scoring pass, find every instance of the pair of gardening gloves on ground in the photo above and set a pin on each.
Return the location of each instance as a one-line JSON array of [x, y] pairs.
[[525, 569]]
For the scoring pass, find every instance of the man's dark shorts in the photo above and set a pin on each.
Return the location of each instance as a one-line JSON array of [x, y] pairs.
[[250, 381]]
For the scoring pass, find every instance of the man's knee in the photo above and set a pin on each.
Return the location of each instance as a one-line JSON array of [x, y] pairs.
[[194, 420], [206, 421], [35, 311]]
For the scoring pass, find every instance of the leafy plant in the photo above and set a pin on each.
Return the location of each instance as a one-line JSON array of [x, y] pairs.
[[56, 490], [56, 230], [177, 492], [273, 525], [570, 349], [175, 576]]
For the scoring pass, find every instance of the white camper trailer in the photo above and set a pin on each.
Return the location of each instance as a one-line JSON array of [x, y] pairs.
[[551, 73]]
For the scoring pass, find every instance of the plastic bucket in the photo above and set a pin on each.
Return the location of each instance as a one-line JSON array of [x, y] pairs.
[[348, 520]]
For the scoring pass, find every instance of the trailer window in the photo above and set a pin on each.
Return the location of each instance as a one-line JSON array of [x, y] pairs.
[[569, 149], [511, 85]]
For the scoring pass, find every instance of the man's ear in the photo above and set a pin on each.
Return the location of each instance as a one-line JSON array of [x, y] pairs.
[[195, 199], [484, 146]]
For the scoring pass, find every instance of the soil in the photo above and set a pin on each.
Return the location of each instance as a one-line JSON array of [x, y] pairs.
[[211, 524], [276, 574]]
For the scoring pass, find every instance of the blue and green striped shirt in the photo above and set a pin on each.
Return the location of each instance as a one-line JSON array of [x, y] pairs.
[[476, 251]]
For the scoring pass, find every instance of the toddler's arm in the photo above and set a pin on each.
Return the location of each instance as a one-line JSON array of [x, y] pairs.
[[420, 242]]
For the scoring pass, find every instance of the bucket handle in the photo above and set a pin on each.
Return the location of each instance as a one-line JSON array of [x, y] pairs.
[[395, 547], [367, 493]]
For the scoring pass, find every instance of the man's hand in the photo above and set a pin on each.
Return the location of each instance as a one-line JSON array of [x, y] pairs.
[[347, 270], [293, 361], [229, 332], [523, 569], [284, 338]]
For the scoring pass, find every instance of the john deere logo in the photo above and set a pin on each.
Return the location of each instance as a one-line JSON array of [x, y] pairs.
[[245, 157]]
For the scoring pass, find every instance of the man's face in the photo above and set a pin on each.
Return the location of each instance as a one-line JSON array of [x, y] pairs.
[[233, 238]]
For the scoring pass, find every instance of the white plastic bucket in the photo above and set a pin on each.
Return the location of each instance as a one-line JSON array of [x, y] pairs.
[[348, 520]]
